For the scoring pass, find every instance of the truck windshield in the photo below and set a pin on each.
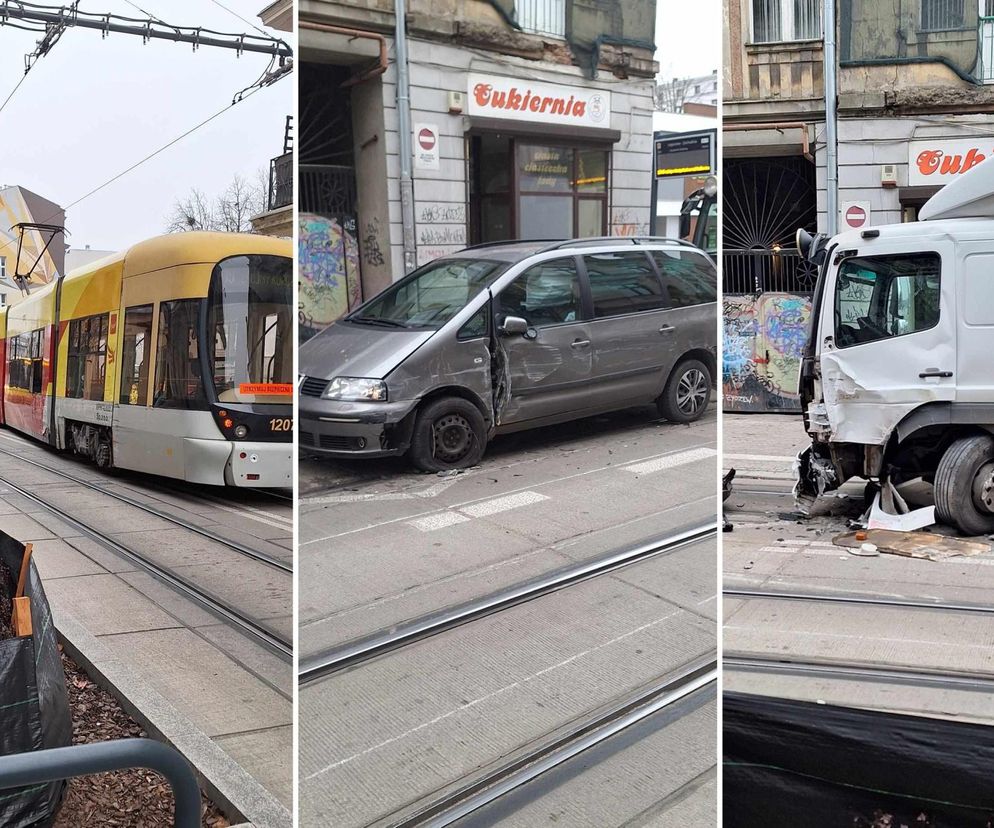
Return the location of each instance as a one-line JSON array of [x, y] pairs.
[[250, 320], [886, 296], [431, 296]]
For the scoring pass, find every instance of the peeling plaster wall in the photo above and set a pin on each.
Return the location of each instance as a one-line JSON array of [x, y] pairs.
[[763, 339]]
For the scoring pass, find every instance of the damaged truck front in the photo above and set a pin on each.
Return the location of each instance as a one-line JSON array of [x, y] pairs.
[[896, 382]]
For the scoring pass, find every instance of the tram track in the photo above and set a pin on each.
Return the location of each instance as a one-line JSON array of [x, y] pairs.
[[252, 628], [849, 670], [534, 761], [863, 599], [204, 532], [353, 653]]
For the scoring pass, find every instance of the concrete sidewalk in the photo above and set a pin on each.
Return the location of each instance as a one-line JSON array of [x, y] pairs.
[[762, 445]]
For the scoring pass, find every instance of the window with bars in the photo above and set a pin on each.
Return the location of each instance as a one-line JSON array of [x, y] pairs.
[[775, 21], [542, 16], [939, 15]]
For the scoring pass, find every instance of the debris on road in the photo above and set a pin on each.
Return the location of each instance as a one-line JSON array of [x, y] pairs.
[[913, 544]]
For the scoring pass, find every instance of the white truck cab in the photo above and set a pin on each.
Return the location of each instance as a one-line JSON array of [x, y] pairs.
[[897, 376]]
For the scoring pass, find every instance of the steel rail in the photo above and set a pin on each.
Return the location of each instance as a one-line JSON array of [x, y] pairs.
[[362, 649], [854, 598], [889, 674], [234, 545], [583, 735], [216, 606]]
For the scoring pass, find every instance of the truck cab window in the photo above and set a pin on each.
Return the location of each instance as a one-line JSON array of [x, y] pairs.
[[886, 296]]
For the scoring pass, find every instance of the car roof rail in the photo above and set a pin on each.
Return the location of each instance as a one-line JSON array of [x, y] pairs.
[[509, 243], [636, 240]]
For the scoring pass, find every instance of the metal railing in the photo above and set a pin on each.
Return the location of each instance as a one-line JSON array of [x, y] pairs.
[[43, 766], [281, 181], [542, 16], [942, 15], [766, 271]]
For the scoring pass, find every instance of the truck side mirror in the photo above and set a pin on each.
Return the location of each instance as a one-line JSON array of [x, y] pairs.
[[513, 326], [684, 225]]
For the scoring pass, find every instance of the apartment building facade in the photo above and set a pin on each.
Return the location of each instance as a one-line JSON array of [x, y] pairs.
[[529, 119]]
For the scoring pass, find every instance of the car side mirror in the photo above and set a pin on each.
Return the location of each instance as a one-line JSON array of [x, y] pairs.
[[513, 326]]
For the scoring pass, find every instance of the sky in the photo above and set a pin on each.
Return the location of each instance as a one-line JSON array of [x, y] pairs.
[[688, 38], [92, 107]]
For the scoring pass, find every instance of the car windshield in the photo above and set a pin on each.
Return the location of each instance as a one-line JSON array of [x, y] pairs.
[[430, 296], [251, 323]]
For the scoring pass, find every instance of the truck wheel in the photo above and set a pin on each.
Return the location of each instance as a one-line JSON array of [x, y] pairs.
[[963, 485], [449, 433], [687, 393]]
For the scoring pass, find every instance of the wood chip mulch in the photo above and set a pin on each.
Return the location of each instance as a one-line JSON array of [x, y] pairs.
[[125, 799]]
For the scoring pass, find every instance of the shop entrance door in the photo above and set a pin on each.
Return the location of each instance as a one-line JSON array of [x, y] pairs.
[[529, 188]]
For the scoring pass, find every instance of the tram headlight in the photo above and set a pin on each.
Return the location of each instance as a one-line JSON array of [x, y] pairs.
[[356, 389], [241, 432]]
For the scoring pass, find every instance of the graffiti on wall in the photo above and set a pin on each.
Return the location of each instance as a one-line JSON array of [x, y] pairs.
[[328, 271], [763, 342]]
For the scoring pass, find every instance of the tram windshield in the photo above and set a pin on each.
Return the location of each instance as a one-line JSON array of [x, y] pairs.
[[250, 316]]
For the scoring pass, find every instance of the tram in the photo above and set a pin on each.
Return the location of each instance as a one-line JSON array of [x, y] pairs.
[[174, 357]]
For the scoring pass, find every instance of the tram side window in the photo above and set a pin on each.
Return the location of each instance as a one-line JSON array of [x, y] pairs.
[[24, 361], [178, 383], [87, 364], [135, 355]]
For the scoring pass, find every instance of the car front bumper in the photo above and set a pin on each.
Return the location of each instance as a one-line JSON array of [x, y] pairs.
[[354, 429]]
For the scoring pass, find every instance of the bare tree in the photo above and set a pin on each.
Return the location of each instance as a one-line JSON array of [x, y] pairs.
[[228, 212], [670, 96]]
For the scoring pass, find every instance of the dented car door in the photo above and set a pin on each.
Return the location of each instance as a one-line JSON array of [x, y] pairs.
[[545, 372], [887, 338]]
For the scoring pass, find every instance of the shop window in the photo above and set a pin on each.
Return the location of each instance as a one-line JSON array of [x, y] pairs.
[[178, 380], [775, 21], [136, 353], [939, 15], [690, 278], [87, 364], [25, 362], [527, 190], [623, 283], [542, 16], [546, 294]]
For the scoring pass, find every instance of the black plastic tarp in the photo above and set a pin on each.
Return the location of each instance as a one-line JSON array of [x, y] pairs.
[[34, 706], [797, 763]]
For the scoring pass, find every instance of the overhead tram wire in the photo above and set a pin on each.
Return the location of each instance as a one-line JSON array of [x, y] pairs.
[[268, 77], [236, 14]]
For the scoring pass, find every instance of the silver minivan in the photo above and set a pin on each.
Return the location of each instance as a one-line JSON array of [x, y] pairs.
[[510, 336]]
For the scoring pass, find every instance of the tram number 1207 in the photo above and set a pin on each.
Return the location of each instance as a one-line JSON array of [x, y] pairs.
[[281, 424]]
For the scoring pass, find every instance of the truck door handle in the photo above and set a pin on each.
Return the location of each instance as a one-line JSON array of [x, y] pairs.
[[580, 343], [666, 329], [935, 372]]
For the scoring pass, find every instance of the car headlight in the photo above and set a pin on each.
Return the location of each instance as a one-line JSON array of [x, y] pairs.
[[356, 389]]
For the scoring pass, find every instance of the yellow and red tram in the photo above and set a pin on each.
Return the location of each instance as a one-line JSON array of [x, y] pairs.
[[174, 357]]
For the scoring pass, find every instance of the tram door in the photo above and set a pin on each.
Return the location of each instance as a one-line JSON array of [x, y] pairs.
[[161, 392]]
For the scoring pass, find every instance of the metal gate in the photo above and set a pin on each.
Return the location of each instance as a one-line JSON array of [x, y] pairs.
[[330, 279]]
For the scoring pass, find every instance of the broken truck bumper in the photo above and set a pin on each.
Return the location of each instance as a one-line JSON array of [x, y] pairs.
[[814, 474], [355, 429]]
